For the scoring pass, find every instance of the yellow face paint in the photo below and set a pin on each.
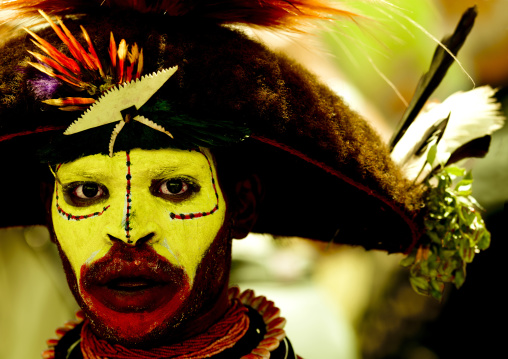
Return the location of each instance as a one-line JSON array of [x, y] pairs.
[[133, 230], [168, 195]]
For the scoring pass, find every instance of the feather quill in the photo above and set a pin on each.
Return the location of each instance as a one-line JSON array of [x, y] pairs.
[[122, 55], [112, 52]]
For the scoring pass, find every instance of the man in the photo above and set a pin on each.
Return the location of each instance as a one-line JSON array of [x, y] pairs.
[[163, 147]]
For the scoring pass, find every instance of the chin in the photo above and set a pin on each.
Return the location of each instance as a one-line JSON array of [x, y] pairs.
[[137, 323], [136, 298], [133, 295]]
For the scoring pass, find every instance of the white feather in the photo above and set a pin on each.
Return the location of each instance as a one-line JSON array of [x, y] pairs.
[[473, 114]]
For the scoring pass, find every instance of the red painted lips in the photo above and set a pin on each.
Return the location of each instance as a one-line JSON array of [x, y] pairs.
[[132, 279]]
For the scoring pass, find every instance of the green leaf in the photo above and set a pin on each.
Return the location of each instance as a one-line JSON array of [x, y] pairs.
[[484, 241], [420, 284], [455, 171], [431, 155], [409, 260], [464, 185], [460, 277]]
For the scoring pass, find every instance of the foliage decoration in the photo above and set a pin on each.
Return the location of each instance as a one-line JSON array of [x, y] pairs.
[[455, 232]]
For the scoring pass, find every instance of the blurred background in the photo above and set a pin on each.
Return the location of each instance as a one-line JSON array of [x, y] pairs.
[[340, 302], [375, 66]]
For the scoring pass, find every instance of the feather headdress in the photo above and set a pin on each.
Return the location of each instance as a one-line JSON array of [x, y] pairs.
[[289, 14], [84, 71], [227, 87]]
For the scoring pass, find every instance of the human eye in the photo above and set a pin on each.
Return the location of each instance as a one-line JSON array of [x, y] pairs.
[[174, 189], [83, 194]]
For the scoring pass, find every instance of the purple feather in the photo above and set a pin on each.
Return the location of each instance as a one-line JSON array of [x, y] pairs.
[[43, 86]]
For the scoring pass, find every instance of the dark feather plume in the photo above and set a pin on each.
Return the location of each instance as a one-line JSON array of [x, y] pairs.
[[441, 62]]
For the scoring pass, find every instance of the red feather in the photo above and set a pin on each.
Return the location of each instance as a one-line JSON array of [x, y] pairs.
[[55, 65], [287, 14], [70, 101], [93, 53], [83, 56], [54, 53], [62, 67], [112, 52]]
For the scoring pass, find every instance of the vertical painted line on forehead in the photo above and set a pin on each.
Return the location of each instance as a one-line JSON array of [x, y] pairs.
[[128, 199]]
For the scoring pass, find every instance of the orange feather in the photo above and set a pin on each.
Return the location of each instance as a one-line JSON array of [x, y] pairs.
[[54, 53], [78, 49], [63, 37], [112, 52], [50, 72], [93, 53], [140, 65], [284, 14], [122, 54], [69, 101], [53, 64]]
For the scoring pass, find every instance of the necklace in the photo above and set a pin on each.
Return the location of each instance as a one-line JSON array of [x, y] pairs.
[[269, 312]]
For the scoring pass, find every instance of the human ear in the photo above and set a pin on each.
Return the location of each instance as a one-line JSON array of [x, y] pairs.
[[248, 196]]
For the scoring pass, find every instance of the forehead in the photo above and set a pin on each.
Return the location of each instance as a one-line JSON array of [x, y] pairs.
[[152, 163]]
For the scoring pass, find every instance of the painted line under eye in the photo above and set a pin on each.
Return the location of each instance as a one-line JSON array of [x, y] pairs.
[[200, 214], [71, 217]]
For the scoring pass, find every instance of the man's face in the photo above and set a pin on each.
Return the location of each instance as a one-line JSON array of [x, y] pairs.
[[137, 232]]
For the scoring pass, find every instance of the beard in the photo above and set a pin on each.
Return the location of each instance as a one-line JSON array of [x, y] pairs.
[[136, 298]]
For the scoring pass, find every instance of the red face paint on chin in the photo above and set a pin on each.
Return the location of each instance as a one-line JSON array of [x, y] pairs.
[[133, 293]]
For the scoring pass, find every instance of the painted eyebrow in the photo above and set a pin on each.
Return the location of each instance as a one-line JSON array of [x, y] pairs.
[[170, 170], [92, 176], [163, 172]]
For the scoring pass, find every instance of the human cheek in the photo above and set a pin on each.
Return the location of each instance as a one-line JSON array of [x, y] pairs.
[[81, 231], [184, 240]]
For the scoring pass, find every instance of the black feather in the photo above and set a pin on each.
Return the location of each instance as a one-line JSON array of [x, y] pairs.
[[441, 62]]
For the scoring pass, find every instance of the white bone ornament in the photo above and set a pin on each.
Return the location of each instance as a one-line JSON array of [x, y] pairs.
[[108, 107]]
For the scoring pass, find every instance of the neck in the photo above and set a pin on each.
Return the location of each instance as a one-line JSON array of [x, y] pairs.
[[207, 316], [223, 334]]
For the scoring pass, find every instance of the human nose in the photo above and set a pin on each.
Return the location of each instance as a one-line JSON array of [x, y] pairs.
[[147, 238], [138, 233]]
